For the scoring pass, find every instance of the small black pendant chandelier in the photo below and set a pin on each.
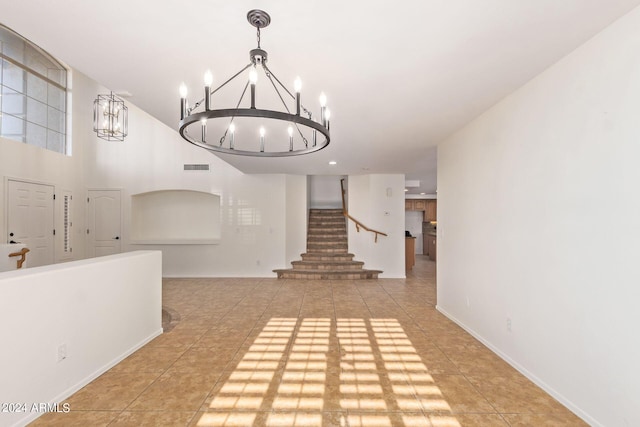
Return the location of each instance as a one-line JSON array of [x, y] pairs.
[[292, 131]]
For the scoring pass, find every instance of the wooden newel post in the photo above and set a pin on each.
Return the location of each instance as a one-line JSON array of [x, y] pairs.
[[22, 254]]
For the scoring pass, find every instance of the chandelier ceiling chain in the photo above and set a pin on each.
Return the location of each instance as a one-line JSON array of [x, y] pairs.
[[305, 138]]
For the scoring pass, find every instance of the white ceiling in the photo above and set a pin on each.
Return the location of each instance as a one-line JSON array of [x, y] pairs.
[[400, 76]]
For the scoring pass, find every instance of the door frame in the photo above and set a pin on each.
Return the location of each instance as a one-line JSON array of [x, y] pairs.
[[6, 207]]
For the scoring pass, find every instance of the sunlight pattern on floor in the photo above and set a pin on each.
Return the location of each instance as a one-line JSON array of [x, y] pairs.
[[248, 384], [360, 386], [303, 381], [413, 387], [286, 380]]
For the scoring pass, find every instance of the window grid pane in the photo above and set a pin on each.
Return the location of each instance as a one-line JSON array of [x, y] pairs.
[[36, 135], [12, 76], [32, 94], [14, 103], [13, 127]]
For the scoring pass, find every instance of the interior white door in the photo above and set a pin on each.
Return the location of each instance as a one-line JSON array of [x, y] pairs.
[[104, 226], [30, 220]]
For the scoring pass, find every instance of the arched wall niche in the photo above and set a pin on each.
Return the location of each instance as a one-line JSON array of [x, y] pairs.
[[175, 217]]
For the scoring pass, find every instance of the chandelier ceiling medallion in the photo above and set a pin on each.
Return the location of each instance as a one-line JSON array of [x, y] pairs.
[[246, 129]]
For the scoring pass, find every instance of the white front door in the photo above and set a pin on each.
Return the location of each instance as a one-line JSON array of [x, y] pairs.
[[30, 220], [103, 223]]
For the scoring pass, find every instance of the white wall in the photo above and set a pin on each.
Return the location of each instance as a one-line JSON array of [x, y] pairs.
[[538, 221], [102, 309], [253, 207], [377, 201], [253, 232], [28, 163], [325, 191], [296, 218]]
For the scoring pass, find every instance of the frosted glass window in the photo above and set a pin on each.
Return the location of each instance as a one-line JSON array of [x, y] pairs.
[[36, 135], [36, 88], [56, 98], [58, 75], [36, 112], [12, 44], [13, 77], [13, 127], [14, 103], [55, 120], [34, 94], [55, 141]]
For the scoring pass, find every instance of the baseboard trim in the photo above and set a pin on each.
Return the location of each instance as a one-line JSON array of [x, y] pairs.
[[74, 388], [536, 380]]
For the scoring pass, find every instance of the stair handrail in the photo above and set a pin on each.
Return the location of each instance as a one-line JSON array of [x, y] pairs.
[[357, 223]]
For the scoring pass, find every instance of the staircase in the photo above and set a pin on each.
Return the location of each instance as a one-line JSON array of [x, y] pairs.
[[327, 254]]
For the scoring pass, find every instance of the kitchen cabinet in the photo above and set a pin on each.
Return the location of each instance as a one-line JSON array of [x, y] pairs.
[[427, 205], [431, 210]]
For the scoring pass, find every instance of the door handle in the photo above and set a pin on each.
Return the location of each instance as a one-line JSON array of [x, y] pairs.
[[117, 237]]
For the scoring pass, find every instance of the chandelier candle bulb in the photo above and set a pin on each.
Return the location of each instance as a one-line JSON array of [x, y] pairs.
[[323, 108], [183, 101], [232, 133], [290, 130], [323, 100], [208, 80], [297, 85], [253, 78], [207, 98], [262, 139]]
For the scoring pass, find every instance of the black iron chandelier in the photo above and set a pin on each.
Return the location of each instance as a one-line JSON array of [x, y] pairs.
[[254, 131]]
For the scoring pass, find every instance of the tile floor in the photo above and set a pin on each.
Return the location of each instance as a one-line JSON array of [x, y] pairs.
[[284, 353]]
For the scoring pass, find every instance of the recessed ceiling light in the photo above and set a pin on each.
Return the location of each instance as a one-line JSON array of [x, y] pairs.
[[422, 194], [406, 189], [333, 162]]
